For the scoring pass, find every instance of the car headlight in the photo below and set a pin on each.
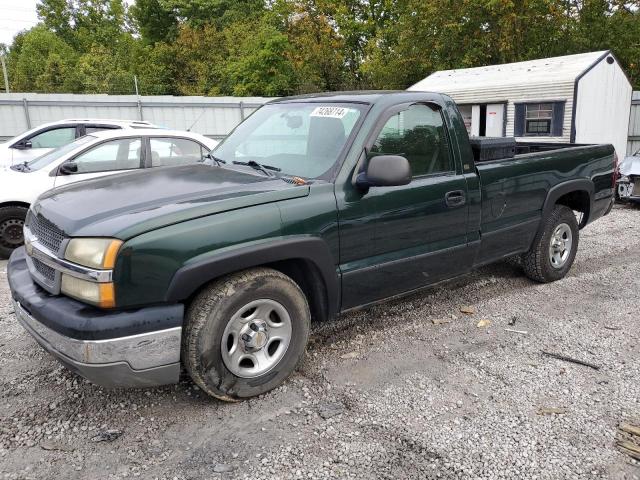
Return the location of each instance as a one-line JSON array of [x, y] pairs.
[[624, 179], [97, 253]]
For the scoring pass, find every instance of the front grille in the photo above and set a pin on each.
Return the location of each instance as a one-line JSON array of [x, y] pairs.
[[47, 272], [636, 187], [46, 232]]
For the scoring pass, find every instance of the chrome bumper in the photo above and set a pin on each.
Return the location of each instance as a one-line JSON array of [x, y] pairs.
[[143, 360]]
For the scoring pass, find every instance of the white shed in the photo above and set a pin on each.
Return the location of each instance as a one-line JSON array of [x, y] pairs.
[[582, 98]]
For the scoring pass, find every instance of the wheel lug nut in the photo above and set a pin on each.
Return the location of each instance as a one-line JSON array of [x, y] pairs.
[[246, 337], [253, 327]]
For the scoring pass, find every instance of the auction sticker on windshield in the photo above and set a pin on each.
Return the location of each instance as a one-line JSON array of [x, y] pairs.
[[331, 112]]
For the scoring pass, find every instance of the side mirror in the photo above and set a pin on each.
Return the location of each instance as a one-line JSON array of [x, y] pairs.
[[385, 171], [68, 168], [24, 145]]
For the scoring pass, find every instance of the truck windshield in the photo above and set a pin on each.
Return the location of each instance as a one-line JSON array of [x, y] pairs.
[[303, 139], [44, 160]]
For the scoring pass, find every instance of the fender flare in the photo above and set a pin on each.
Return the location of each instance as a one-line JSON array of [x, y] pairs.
[[189, 278], [577, 185]]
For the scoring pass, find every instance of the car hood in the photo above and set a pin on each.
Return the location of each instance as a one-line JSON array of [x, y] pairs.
[[630, 166], [126, 205]]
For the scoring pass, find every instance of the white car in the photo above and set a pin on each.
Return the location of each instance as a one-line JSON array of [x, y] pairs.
[[44, 138], [102, 153]]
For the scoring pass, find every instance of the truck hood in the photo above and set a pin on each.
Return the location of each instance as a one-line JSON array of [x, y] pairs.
[[125, 205]]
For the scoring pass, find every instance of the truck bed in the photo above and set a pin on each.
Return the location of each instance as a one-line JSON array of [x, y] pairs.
[[514, 190]]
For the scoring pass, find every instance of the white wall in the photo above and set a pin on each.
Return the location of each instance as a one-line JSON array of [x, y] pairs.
[[602, 107], [633, 142]]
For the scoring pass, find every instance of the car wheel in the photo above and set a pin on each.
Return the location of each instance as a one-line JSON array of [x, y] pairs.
[[554, 247], [11, 223], [245, 333]]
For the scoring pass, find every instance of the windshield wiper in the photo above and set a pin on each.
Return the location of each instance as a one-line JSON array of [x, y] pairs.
[[218, 161], [21, 167], [259, 166]]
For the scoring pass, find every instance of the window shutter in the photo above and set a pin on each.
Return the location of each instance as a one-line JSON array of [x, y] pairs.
[[558, 119], [518, 126]]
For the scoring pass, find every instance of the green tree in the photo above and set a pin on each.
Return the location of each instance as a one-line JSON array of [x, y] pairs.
[[259, 62], [155, 21], [99, 72], [39, 61], [215, 12], [277, 47], [317, 51]]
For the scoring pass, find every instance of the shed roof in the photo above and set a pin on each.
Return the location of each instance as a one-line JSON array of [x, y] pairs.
[[533, 72]]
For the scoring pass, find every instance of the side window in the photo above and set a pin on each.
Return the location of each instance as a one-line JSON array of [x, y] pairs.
[[53, 138], [174, 151], [418, 134], [123, 154]]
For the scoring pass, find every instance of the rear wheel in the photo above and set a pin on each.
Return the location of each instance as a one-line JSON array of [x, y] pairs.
[[554, 247], [245, 334], [11, 223]]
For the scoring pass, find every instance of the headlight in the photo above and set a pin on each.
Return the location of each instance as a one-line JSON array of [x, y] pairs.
[[97, 253], [624, 179], [99, 294]]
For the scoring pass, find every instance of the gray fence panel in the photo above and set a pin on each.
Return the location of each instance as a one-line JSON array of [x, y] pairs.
[[214, 117]]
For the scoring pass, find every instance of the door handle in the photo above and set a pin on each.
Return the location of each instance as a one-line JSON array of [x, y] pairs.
[[455, 198]]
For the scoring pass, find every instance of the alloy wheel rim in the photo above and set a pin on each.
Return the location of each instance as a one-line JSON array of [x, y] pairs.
[[560, 245], [256, 338]]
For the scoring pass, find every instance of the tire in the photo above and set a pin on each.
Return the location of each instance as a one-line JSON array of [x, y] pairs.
[[230, 345], [546, 263], [11, 223]]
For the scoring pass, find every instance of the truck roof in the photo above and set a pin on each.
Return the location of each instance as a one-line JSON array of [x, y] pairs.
[[369, 97]]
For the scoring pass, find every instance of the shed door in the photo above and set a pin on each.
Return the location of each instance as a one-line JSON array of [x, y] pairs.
[[495, 120]]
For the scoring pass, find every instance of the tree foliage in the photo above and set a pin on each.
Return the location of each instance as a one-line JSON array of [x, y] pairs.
[[280, 47]]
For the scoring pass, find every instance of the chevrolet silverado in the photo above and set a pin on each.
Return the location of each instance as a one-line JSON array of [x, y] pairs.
[[313, 206]]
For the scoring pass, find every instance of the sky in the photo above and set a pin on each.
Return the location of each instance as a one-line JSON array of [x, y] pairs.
[[16, 15]]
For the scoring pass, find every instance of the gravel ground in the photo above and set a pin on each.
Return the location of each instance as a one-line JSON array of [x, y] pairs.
[[409, 389]]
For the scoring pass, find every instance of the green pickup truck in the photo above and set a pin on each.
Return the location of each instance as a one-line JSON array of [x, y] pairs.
[[312, 206]]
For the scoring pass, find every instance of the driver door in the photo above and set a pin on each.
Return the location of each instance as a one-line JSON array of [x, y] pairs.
[[408, 236], [108, 158]]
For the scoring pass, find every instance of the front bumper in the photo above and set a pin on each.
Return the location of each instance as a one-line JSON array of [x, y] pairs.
[[138, 348], [628, 190]]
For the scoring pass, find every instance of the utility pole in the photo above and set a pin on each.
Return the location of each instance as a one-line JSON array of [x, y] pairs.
[[135, 82], [4, 72]]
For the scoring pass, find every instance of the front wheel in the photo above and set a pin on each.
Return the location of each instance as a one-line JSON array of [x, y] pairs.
[[11, 223], [245, 333], [554, 247]]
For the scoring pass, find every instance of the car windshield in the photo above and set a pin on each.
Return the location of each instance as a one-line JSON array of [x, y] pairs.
[[44, 160], [302, 139]]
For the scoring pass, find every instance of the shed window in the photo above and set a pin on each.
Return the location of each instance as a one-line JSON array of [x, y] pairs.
[[539, 119]]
